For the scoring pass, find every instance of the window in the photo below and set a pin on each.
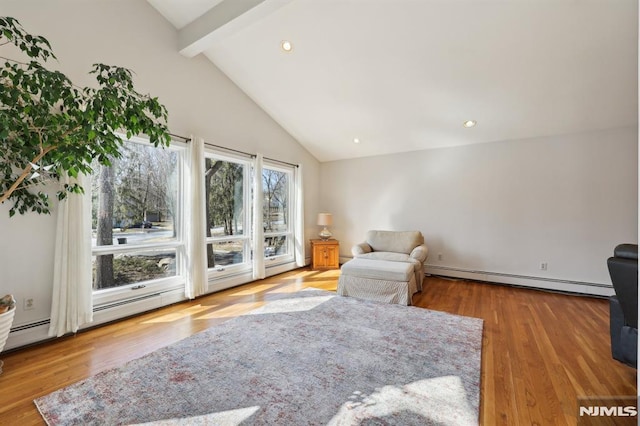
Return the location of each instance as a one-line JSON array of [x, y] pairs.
[[228, 213], [277, 217], [136, 209], [139, 245]]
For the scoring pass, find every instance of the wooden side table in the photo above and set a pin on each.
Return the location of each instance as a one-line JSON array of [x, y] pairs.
[[325, 254]]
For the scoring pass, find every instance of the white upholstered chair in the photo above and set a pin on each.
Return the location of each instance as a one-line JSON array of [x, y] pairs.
[[396, 246], [387, 267]]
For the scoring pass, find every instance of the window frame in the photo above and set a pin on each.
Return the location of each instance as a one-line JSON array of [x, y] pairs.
[[223, 271], [141, 289], [289, 256]]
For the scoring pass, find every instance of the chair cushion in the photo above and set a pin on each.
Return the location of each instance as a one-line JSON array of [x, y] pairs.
[[385, 255], [394, 241], [378, 269], [392, 257], [626, 251]]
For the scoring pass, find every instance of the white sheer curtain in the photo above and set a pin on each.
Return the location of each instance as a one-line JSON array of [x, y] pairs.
[[298, 230], [195, 221], [72, 304], [258, 230]]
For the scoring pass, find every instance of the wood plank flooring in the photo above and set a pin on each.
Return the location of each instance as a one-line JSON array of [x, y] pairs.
[[541, 351]]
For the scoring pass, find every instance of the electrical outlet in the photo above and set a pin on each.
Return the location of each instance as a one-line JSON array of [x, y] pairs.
[[439, 256], [543, 266], [28, 304]]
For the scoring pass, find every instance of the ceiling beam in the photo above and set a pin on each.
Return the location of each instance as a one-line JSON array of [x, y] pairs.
[[221, 21]]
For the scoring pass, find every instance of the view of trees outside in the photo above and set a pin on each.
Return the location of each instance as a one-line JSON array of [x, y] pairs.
[[275, 211], [134, 202], [225, 216]]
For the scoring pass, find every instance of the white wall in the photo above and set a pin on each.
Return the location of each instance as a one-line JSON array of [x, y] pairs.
[[500, 208], [201, 100]]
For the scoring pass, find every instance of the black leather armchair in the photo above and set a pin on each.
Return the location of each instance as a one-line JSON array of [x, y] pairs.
[[623, 307]]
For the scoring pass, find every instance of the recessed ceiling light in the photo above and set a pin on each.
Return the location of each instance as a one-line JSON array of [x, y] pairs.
[[469, 123], [286, 45], [356, 140]]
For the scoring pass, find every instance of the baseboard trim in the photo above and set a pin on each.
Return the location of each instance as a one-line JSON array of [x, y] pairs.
[[580, 287], [27, 334]]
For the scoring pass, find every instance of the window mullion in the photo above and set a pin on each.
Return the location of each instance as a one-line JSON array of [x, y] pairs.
[[124, 248]]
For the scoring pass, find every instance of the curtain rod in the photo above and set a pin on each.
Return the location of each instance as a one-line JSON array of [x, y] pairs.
[[184, 138], [249, 154]]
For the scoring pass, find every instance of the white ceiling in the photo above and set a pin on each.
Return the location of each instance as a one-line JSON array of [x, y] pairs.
[[403, 75]]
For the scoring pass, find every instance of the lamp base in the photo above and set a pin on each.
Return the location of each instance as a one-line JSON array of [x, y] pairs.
[[325, 234]]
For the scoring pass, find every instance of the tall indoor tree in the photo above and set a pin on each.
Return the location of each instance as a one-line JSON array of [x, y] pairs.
[[49, 126]]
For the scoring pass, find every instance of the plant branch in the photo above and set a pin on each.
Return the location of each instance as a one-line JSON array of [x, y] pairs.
[[13, 60], [25, 173]]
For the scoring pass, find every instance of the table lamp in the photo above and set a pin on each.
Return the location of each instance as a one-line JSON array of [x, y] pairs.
[[325, 219]]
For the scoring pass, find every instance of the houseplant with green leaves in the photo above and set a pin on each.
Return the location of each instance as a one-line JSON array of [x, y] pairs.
[[50, 126]]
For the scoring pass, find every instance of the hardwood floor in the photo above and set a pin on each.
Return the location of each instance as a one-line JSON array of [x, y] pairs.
[[541, 351]]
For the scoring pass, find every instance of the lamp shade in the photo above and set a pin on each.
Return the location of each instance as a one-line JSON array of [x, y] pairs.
[[325, 219]]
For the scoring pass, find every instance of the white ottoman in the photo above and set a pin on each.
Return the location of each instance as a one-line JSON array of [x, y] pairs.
[[378, 280]]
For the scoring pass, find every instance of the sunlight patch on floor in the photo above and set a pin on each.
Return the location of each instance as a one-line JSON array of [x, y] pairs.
[[440, 400], [295, 304], [174, 316], [321, 285], [254, 289], [304, 274], [331, 273], [230, 311], [229, 417], [288, 289]]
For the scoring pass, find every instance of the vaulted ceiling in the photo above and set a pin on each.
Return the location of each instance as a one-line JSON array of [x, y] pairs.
[[403, 75]]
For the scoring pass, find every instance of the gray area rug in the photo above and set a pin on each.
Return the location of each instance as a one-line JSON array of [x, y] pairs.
[[310, 358]]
